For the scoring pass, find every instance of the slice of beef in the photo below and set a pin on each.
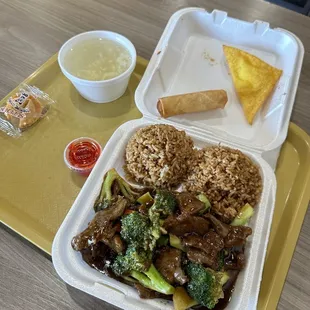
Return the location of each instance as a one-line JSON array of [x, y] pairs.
[[101, 228], [221, 228], [233, 235], [199, 257], [237, 236], [169, 264], [235, 261], [189, 204], [99, 256], [209, 242], [204, 250], [183, 224]]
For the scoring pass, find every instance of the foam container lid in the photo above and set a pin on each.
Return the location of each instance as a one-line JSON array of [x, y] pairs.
[[189, 57], [181, 67]]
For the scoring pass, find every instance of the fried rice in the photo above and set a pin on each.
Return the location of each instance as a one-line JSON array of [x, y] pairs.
[[158, 155], [228, 177]]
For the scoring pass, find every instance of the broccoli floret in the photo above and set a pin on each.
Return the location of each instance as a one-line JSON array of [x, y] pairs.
[[138, 264], [136, 230], [155, 226], [164, 204], [133, 259], [141, 234], [205, 285], [106, 196]]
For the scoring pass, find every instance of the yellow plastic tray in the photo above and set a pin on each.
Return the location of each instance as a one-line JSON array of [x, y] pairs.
[[37, 190]]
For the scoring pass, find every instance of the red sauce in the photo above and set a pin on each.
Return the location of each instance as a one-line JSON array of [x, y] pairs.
[[83, 154]]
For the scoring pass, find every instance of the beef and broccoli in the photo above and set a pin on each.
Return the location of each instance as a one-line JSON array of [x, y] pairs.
[[166, 244]]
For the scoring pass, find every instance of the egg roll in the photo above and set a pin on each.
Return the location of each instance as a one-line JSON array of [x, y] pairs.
[[192, 102]]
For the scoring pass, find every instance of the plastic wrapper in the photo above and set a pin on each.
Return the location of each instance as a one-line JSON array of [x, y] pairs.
[[21, 111]]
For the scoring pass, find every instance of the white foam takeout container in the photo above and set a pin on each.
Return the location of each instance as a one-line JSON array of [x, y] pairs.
[[181, 63]]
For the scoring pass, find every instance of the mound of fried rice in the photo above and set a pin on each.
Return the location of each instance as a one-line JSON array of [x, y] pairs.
[[158, 155], [228, 177]]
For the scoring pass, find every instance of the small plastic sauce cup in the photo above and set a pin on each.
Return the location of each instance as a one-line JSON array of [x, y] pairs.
[[81, 155]]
